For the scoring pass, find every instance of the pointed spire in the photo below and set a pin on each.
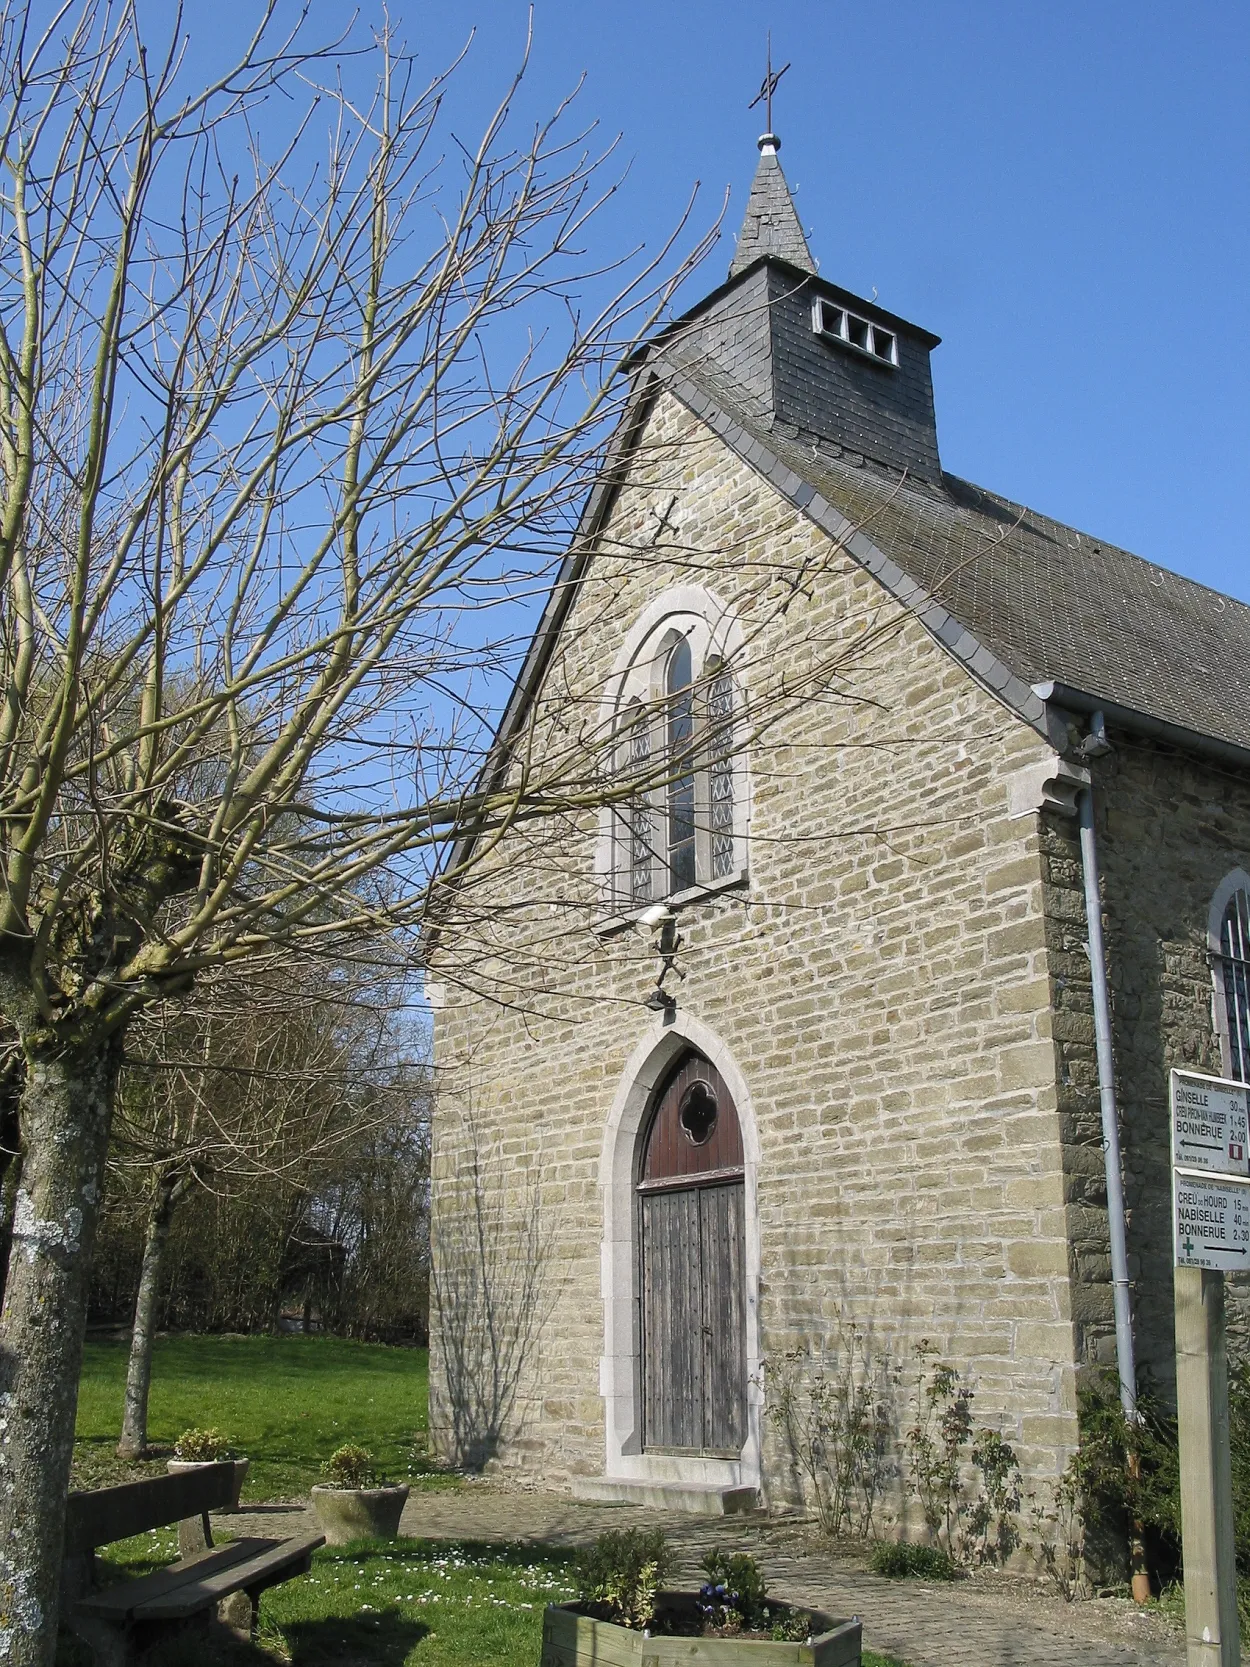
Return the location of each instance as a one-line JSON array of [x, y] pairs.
[[770, 225]]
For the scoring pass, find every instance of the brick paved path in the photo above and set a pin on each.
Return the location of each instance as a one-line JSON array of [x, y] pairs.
[[977, 1623], [928, 1626]]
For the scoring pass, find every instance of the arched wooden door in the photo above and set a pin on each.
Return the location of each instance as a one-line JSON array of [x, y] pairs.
[[691, 1217]]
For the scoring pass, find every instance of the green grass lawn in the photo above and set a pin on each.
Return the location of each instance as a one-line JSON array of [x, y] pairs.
[[388, 1603], [418, 1601], [400, 1603], [287, 1402], [413, 1603]]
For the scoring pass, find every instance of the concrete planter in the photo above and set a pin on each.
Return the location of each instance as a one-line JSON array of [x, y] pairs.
[[176, 1466], [345, 1514], [574, 1639]]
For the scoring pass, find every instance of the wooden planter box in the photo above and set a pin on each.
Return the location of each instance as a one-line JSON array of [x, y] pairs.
[[573, 1639]]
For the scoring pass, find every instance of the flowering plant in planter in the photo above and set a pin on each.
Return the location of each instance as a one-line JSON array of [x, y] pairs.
[[354, 1502], [733, 1602], [352, 1467], [624, 1615], [203, 1447], [619, 1576]]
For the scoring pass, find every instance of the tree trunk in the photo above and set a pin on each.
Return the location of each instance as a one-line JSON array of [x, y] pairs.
[[67, 1107], [10, 1180], [12, 1075], [134, 1438]]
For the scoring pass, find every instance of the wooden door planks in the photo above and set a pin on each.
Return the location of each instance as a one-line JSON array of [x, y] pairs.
[[693, 1319], [691, 1225], [672, 1321], [722, 1248]]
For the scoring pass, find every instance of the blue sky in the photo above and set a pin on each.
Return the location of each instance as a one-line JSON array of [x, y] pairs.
[[1061, 191]]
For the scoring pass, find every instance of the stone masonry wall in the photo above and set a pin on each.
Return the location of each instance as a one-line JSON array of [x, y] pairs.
[[1169, 828], [884, 985]]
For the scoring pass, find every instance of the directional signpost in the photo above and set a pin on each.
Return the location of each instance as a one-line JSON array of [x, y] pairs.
[[1210, 1235], [1212, 1223], [1209, 1125]]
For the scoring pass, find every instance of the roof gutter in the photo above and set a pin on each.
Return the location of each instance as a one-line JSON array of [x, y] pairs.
[[1063, 695]]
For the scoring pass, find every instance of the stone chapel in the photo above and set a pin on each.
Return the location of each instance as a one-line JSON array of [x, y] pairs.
[[813, 1034]]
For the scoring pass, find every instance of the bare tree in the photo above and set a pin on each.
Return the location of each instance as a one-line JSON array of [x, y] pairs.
[[286, 439], [275, 1074]]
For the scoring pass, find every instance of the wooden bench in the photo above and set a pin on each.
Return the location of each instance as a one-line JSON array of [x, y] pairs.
[[120, 1622]]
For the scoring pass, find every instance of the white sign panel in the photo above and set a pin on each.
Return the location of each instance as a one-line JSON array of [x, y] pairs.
[[1209, 1124], [1211, 1223]]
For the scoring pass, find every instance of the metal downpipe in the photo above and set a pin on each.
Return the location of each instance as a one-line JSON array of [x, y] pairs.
[[1121, 1295]]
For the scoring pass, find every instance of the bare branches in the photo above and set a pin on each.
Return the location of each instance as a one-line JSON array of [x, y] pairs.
[[287, 445], [268, 1074]]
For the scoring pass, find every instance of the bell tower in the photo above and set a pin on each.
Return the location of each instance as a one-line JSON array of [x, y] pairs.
[[784, 345]]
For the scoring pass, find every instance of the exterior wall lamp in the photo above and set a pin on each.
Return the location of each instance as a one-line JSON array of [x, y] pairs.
[[660, 921]]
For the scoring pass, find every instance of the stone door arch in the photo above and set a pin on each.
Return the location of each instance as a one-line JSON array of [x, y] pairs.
[[627, 1456]]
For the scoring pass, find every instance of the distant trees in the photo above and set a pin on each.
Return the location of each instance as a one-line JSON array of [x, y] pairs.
[[282, 1112]]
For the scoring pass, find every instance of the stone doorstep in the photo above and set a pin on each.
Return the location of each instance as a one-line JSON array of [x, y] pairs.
[[696, 1498]]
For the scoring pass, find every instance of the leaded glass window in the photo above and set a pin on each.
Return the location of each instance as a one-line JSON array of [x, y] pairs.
[[720, 714], [679, 822], [1235, 955], [679, 687], [641, 818]]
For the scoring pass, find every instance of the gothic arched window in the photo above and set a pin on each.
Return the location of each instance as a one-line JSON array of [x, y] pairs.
[[1234, 970], [675, 715]]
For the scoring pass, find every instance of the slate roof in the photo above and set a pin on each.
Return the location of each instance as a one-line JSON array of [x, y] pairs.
[[1050, 602], [770, 225]]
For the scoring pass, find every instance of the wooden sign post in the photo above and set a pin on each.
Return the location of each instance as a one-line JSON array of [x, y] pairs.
[[1211, 1233]]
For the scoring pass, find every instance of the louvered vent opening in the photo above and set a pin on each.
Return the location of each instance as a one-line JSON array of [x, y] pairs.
[[835, 323]]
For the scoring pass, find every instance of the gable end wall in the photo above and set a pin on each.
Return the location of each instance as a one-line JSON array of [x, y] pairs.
[[883, 986]]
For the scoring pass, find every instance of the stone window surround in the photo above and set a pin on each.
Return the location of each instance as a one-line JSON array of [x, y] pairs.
[[1236, 880], [714, 633], [620, 1367]]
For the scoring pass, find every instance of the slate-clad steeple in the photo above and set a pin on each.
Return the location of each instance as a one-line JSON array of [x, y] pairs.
[[783, 346], [770, 225]]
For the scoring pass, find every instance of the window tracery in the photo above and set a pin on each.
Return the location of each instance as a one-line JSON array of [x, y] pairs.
[[674, 713], [640, 818], [680, 766], [720, 712], [1228, 940]]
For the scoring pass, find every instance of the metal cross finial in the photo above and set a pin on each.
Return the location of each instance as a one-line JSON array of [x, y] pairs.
[[768, 86]]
